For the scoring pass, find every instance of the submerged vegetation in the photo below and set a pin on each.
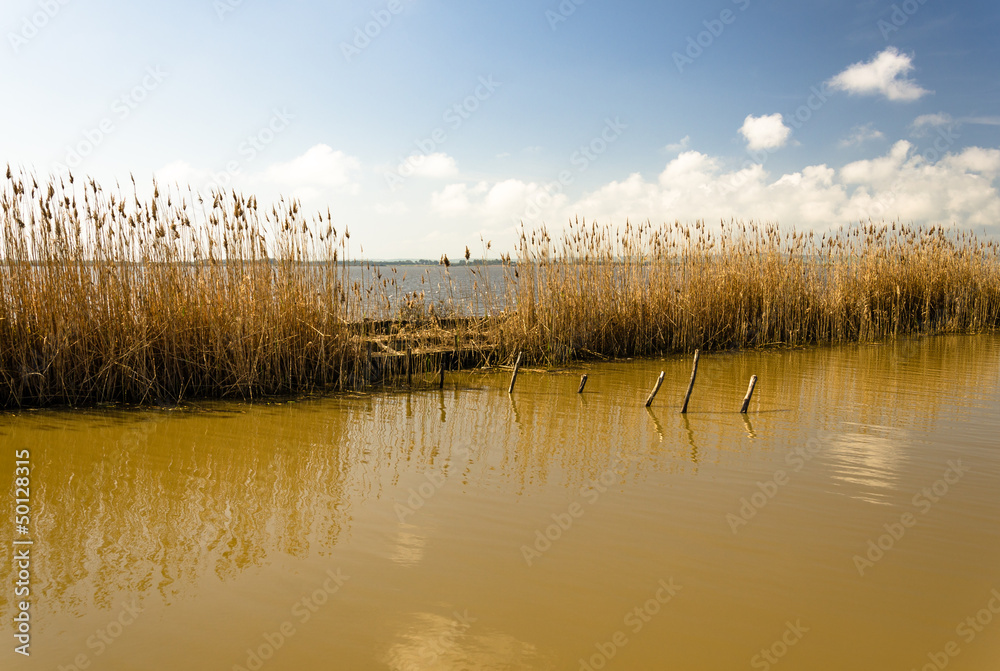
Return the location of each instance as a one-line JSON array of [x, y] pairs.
[[107, 297]]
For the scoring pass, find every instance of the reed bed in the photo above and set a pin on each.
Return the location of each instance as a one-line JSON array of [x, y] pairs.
[[112, 298], [644, 289]]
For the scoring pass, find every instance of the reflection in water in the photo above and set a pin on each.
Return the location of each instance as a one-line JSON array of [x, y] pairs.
[[690, 438], [656, 423], [232, 507], [870, 457], [432, 642], [409, 548]]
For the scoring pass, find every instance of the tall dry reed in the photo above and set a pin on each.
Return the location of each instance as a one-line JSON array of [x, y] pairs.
[[642, 289], [106, 297]]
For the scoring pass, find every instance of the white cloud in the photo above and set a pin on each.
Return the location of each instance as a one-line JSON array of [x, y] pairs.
[[958, 188], [884, 75], [396, 208], [679, 146], [765, 132], [182, 173], [983, 120], [976, 160], [501, 203], [861, 134], [434, 166], [924, 122], [319, 168]]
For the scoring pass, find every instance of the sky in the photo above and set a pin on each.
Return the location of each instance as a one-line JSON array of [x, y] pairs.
[[428, 125]]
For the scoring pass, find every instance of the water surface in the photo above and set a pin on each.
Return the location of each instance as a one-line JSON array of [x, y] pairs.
[[469, 529]]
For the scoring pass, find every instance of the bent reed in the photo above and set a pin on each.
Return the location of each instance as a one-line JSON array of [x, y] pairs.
[[106, 298]]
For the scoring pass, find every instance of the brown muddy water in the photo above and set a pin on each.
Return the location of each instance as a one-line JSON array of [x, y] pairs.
[[850, 521]]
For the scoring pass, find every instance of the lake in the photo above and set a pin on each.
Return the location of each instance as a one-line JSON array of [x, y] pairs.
[[850, 520]]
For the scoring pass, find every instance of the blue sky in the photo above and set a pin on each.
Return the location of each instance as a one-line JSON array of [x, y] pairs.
[[449, 121]]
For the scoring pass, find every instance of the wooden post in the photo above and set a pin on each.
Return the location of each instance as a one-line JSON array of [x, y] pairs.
[[409, 366], [694, 373], [583, 383], [652, 394], [441, 377], [513, 378], [746, 400]]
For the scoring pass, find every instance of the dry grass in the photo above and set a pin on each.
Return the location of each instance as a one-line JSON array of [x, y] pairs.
[[647, 289], [112, 298]]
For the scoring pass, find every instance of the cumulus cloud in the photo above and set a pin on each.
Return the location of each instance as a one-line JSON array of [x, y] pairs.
[[986, 162], [957, 188], [182, 173], [319, 168], [886, 74], [500, 203], [861, 134], [434, 166], [765, 132]]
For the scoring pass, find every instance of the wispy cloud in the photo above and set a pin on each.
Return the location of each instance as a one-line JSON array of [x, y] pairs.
[[861, 134], [676, 147], [982, 120], [923, 124], [925, 121]]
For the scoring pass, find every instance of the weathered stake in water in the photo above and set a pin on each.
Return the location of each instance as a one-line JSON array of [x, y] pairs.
[[694, 373], [513, 378], [746, 399], [652, 394]]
